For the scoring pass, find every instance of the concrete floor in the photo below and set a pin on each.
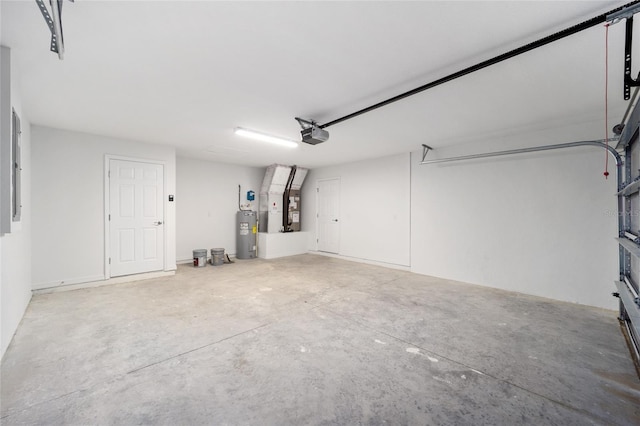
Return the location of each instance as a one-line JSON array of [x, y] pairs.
[[314, 340]]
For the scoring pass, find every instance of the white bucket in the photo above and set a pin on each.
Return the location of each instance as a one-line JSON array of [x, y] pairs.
[[217, 256], [200, 258]]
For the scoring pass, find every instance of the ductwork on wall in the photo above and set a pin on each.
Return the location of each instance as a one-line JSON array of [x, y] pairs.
[[280, 198]]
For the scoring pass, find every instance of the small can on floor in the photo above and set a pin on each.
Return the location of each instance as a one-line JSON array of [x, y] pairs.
[[200, 258], [217, 256]]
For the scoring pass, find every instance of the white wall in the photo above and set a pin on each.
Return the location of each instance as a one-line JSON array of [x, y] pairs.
[[15, 253], [3, 348], [68, 203], [207, 202], [374, 208], [542, 224]]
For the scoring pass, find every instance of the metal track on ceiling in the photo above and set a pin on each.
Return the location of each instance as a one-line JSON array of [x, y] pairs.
[[617, 13]]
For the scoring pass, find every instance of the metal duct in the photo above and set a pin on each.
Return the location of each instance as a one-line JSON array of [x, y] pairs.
[[278, 214]]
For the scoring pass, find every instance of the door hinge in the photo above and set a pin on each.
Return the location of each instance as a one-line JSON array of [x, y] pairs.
[[109, 174], [109, 261], [109, 216], [317, 189]]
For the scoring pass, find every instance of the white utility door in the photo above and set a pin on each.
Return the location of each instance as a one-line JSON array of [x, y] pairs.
[[328, 215], [136, 216]]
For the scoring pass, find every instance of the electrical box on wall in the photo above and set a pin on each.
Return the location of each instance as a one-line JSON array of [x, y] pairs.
[[16, 168], [247, 204], [6, 154]]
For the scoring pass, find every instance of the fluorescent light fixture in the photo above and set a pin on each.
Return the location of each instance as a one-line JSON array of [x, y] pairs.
[[264, 137]]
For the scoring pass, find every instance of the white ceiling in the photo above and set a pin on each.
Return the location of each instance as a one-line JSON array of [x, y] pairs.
[[187, 73]]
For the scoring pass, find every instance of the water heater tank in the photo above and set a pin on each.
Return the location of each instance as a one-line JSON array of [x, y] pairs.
[[246, 232]]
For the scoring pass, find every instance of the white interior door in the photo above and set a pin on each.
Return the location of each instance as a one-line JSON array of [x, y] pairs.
[[328, 215], [136, 217]]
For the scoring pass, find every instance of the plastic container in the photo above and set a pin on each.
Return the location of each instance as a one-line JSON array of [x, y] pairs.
[[217, 256], [200, 258]]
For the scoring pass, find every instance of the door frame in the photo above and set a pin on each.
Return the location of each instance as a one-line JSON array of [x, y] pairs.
[[318, 205], [107, 207]]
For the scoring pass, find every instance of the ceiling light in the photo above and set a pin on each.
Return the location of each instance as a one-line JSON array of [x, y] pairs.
[[264, 137]]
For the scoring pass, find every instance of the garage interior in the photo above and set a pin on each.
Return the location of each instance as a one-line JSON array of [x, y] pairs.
[[446, 231]]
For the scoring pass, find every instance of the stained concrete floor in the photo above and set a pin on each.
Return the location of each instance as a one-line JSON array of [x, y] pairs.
[[314, 340]]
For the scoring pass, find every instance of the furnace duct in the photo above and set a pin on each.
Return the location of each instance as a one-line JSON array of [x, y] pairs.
[[280, 198]]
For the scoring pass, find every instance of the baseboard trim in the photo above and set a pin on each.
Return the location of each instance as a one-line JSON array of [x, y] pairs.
[[101, 281], [67, 282], [360, 260]]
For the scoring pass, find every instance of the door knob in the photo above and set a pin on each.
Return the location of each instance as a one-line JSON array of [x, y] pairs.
[[335, 220], [158, 223]]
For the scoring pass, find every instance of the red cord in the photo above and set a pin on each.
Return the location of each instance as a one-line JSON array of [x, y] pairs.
[[606, 100]]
